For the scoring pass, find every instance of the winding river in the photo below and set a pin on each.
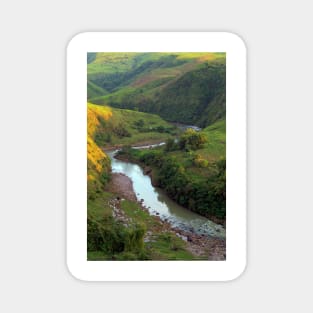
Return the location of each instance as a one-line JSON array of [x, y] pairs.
[[158, 203]]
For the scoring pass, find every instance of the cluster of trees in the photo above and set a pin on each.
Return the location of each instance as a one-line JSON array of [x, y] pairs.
[[206, 197], [189, 98], [192, 140]]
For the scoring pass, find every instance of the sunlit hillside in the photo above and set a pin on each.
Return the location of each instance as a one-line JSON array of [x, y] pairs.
[[98, 162]]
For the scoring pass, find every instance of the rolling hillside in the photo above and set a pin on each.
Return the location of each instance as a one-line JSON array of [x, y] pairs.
[[180, 87]]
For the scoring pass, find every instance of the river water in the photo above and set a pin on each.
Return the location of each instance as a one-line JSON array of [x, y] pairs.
[[158, 203]]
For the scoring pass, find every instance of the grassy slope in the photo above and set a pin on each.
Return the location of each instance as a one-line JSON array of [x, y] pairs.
[[168, 84], [213, 150], [94, 90], [127, 119]]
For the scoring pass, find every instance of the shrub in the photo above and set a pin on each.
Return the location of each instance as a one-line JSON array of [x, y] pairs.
[[200, 162], [170, 145], [192, 140], [112, 237], [140, 123], [121, 131]]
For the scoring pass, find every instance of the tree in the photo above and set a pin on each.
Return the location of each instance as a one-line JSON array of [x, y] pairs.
[[192, 140]]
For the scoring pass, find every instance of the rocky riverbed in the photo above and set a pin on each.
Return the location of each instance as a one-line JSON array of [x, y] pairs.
[[199, 245]]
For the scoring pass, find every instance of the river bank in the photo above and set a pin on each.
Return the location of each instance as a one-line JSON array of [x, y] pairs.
[[201, 246], [147, 170]]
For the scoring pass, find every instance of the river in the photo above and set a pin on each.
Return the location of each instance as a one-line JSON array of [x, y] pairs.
[[158, 203]]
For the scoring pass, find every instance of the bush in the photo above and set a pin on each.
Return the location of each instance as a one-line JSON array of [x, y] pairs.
[[105, 177], [170, 145], [192, 140], [140, 123], [112, 237], [121, 131], [200, 162]]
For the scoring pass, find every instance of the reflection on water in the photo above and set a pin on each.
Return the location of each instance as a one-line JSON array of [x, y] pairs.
[[158, 203]]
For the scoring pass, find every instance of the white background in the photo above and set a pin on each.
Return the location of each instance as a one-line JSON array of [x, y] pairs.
[[32, 168]]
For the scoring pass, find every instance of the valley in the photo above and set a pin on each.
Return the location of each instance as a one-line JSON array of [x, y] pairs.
[[165, 201]]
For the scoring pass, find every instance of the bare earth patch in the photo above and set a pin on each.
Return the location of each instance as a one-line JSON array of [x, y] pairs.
[[122, 185]]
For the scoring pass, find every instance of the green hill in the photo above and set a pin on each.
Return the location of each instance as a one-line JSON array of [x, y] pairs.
[[94, 90], [180, 87]]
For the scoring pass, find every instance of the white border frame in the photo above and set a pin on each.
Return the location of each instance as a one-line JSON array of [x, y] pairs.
[[77, 151]]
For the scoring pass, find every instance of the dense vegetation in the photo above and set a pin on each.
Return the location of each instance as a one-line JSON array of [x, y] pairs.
[[186, 174], [180, 87]]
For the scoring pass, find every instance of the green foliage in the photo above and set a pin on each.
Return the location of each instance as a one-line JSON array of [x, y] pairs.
[[110, 240], [139, 123], [192, 140], [199, 161], [196, 94], [105, 177], [120, 131], [112, 237], [167, 246], [170, 145]]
